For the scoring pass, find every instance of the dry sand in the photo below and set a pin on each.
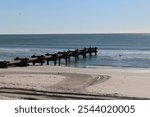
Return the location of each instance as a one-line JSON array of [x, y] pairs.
[[55, 82]]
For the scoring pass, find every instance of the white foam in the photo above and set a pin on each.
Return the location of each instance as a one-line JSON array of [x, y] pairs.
[[125, 54], [14, 50]]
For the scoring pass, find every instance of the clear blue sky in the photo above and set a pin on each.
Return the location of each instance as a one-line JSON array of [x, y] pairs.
[[74, 16]]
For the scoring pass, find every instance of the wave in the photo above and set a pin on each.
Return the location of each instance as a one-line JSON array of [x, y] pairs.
[[11, 53], [112, 57], [125, 54], [17, 50], [32, 50]]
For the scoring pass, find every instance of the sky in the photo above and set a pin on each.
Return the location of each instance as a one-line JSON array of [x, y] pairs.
[[74, 16]]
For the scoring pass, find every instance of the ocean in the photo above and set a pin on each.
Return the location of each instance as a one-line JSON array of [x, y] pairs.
[[114, 50]]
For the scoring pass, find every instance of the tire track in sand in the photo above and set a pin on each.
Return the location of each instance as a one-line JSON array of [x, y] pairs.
[[78, 82]]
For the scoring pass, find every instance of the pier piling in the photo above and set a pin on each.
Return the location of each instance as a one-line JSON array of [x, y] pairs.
[[41, 59]]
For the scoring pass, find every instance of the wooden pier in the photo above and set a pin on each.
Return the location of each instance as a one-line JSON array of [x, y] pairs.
[[41, 59]]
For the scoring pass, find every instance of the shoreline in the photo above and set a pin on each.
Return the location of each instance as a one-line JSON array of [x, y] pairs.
[[112, 67], [103, 83]]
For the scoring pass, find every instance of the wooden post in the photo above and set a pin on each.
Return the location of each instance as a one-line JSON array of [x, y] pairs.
[[26, 62], [69, 58], [47, 62], [55, 62], [90, 53], [95, 50], [66, 60], [83, 53], [76, 52], [54, 58], [59, 61], [41, 59], [95, 53], [41, 63], [75, 58]]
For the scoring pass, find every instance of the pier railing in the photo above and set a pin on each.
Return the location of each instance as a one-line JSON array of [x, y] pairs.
[[41, 59]]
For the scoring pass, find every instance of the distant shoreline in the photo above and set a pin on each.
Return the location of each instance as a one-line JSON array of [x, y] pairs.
[[72, 33]]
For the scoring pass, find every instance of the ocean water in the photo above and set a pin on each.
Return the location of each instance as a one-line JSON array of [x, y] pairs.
[[116, 50]]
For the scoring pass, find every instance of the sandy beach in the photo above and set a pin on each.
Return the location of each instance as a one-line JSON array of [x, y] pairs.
[[57, 82]]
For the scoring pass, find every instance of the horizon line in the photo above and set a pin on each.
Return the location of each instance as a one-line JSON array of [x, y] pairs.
[[71, 33]]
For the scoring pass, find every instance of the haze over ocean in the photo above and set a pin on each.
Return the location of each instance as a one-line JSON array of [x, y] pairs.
[[117, 50]]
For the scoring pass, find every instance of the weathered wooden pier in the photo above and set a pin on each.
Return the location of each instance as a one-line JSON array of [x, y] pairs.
[[41, 59]]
